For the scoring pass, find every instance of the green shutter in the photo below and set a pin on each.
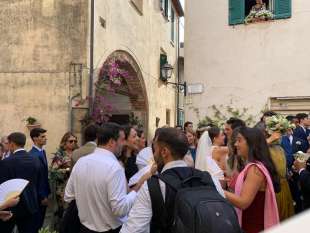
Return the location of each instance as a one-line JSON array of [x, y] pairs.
[[166, 8], [282, 9], [236, 12], [172, 24]]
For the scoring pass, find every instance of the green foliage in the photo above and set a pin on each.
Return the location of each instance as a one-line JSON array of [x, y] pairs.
[[31, 120], [222, 113], [135, 121], [46, 230], [258, 15]]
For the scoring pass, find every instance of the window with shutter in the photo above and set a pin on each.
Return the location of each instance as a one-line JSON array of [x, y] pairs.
[[282, 9], [138, 4], [236, 12], [240, 9]]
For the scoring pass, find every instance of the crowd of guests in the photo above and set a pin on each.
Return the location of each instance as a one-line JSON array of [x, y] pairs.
[[104, 185]]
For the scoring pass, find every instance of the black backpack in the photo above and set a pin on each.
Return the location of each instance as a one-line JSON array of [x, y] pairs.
[[192, 204]]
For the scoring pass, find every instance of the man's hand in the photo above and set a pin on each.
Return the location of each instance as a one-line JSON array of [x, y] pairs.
[[299, 165], [44, 202], [5, 215]]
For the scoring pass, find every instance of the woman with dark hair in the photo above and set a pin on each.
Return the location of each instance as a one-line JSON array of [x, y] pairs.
[[218, 150], [235, 163], [129, 153], [142, 143], [256, 184]]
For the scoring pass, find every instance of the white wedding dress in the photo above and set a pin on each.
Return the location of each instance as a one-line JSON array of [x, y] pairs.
[[204, 160]]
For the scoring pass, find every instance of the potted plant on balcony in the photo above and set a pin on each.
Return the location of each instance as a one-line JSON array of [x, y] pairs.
[[259, 13], [32, 123]]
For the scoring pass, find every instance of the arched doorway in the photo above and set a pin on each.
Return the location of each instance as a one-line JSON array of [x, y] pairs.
[[127, 102]]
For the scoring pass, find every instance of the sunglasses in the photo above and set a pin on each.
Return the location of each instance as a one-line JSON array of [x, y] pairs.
[[72, 141]]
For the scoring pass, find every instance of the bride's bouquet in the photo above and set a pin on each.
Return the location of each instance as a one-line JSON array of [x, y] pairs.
[[278, 123]]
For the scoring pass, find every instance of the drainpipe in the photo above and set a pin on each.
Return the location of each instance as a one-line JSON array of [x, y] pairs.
[[178, 73], [91, 55]]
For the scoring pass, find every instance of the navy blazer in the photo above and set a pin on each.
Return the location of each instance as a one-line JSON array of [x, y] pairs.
[[304, 179], [301, 134], [291, 149], [23, 166], [44, 190]]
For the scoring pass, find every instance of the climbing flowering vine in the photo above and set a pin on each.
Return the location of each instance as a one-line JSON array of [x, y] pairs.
[[111, 78]]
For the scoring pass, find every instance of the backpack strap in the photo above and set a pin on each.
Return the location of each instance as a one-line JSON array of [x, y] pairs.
[[173, 180], [160, 215], [193, 178]]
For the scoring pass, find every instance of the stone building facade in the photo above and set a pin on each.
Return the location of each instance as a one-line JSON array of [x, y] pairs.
[[44, 68]]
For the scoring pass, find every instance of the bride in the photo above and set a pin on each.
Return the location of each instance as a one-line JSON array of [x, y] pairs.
[[204, 160]]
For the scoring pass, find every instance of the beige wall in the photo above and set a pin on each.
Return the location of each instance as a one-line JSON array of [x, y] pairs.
[[38, 41], [143, 37], [245, 64]]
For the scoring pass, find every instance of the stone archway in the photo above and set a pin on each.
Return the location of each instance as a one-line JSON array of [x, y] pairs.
[[131, 96]]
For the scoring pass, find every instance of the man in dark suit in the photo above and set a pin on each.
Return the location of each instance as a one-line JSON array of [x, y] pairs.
[[38, 136], [301, 131], [23, 166], [291, 145], [303, 169]]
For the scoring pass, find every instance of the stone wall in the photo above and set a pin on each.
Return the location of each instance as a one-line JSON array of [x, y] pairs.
[[38, 41], [143, 35]]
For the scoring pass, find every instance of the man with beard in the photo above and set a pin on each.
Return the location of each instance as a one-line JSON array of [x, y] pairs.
[[170, 147], [98, 184]]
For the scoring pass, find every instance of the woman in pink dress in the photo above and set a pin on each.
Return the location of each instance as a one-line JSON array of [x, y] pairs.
[[254, 195]]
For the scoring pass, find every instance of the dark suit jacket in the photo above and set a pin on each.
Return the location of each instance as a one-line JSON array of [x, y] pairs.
[[304, 179], [301, 134], [291, 149], [22, 165], [44, 190]]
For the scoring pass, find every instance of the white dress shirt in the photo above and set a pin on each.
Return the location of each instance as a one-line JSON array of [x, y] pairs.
[[140, 216], [38, 148], [20, 149], [98, 184], [291, 139]]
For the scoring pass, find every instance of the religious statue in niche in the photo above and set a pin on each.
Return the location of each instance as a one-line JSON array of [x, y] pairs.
[[258, 11]]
